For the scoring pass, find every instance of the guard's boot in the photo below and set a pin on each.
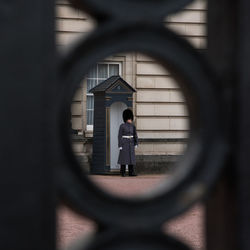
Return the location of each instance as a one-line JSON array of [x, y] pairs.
[[123, 170], [131, 170]]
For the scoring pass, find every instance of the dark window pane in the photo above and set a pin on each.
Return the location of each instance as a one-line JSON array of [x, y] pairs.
[[90, 84], [113, 69], [90, 102], [92, 73], [102, 70], [91, 117]]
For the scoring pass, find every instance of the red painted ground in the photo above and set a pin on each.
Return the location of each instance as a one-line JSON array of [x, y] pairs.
[[188, 227]]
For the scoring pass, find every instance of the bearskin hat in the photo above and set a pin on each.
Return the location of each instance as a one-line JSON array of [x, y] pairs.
[[127, 114]]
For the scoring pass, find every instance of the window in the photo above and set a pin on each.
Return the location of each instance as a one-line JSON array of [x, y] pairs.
[[99, 73]]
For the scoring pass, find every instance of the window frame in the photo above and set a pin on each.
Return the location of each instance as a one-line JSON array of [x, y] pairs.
[[91, 127]]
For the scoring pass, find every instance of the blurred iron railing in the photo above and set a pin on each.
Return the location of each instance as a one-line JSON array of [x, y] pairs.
[[35, 148]]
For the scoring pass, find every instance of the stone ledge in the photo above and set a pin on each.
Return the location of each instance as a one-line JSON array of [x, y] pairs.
[[155, 164], [81, 138]]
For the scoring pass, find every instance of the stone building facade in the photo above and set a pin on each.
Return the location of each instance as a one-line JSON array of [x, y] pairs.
[[161, 116]]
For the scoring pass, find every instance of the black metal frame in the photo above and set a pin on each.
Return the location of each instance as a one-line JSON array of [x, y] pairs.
[[28, 142], [207, 147], [217, 96], [205, 123]]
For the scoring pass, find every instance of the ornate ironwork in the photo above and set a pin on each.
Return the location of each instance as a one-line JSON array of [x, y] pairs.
[[138, 26], [35, 125]]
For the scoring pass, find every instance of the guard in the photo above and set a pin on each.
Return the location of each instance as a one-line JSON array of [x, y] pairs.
[[127, 142]]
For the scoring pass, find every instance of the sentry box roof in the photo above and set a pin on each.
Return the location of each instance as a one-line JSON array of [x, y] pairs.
[[113, 84]]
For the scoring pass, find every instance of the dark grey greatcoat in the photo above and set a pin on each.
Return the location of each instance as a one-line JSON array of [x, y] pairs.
[[127, 154]]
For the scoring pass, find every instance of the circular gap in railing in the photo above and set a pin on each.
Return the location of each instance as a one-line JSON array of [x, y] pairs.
[[205, 149]]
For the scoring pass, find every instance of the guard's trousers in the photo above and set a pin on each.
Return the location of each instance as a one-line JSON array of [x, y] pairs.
[[131, 169]]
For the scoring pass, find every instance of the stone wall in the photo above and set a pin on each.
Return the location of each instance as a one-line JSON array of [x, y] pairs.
[[147, 163], [159, 106]]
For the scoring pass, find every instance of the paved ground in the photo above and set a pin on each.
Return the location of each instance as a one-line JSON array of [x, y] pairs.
[[188, 227]]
